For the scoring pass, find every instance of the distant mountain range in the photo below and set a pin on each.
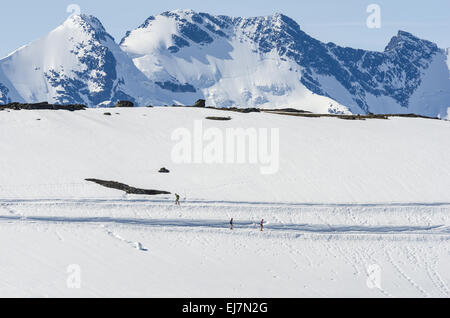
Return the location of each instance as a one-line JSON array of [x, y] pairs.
[[268, 62]]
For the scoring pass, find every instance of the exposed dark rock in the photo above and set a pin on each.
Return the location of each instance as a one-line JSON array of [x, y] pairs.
[[293, 110], [126, 188], [238, 110], [200, 103], [107, 114], [250, 110], [164, 170], [124, 103], [42, 106], [219, 118]]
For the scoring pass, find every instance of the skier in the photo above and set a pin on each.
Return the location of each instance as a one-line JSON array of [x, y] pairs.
[[177, 199], [262, 225], [231, 224]]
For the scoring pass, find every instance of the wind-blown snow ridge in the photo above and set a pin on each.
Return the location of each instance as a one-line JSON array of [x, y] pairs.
[[269, 62]]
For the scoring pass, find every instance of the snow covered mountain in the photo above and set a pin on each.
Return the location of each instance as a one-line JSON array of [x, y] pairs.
[[269, 62], [78, 62], [227, 61], [347, 195]]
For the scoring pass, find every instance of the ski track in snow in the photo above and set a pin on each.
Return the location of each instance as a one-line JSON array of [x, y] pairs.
[[218, 221], [352, 236], [136, 245], [249, 225]]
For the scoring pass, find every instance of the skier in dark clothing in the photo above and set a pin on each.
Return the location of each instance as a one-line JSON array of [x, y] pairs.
[[177, 199], [262, 225], [231, 223]]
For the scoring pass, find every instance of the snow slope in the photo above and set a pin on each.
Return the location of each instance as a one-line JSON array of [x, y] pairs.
[[78, 62], [348, 195]]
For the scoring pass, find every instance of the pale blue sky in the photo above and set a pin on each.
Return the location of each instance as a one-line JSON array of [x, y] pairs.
[[343, 21]]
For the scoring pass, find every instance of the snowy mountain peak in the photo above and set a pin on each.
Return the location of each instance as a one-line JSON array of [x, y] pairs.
[[85, 20], [179, 56], [180, 12], [199, 28]]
